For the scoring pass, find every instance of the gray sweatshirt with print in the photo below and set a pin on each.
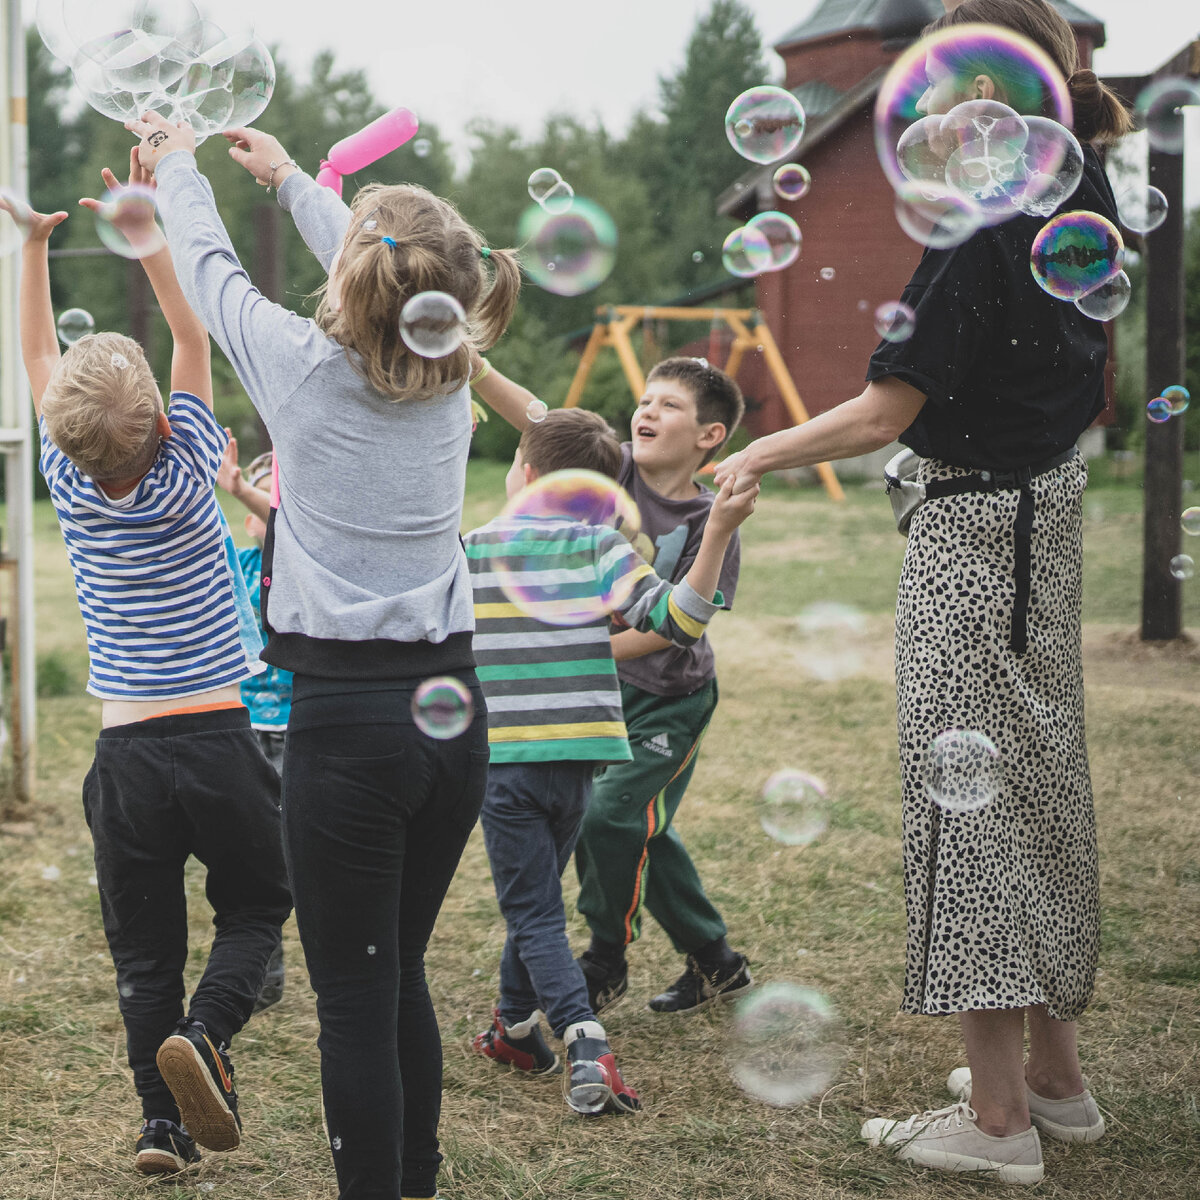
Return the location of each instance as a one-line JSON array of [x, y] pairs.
[[363, 567]]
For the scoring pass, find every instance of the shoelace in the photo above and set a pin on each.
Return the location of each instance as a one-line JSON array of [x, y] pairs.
[[936, 1119]]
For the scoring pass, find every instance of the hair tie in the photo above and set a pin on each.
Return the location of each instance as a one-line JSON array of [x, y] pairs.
[[388, 241], [485, 252]]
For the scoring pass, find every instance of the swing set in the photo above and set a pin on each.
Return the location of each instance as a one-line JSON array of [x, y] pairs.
[[750, 332]]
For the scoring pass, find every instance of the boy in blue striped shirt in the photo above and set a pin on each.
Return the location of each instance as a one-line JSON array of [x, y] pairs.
[[554, 715], [177, 770]]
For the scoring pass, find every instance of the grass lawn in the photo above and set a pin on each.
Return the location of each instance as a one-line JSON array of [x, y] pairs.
[[829, 915]]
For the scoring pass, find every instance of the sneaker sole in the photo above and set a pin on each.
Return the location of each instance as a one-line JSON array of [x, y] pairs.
[[942, 1160], [595, 1099], [1068, 1133], [159, 1162], [202, 1108], [719, 998]]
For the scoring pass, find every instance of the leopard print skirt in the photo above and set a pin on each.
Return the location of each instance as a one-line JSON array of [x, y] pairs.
[[1003, 902]]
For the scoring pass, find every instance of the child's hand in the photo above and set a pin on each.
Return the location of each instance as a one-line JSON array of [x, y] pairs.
[[229, 474], [36, 226], [135, 220], [261, 154], [730, 507], [160, 138]]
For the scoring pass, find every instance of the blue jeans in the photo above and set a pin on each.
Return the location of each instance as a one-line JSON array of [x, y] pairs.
[[531, 817]]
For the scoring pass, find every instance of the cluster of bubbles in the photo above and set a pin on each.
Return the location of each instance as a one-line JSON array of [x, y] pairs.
[[794, 807], [1078, 256], [73, 324], [791, 182], [895, 321], [1183, 566], [958, 161], [769, 241], [433, 324], [568, 252], [1142, 209], [1160, 109], [785, 1045], [963, 770], [580, 591], [442, 708], [765, 124], [200, 64], [548, 189], [1172, 402]]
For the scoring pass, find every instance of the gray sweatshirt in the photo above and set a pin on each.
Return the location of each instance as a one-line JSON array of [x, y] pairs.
[[363, 554]]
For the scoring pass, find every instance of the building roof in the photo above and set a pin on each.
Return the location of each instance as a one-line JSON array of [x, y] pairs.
[[837, 16]]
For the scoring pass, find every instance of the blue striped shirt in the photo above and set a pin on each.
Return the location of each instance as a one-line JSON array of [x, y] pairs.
[[151, 574]]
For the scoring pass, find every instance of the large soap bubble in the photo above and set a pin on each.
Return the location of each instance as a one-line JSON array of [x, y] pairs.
[[1107, 301], [764, 124], [568, 253], [1076, 253], [782, 235], [745, 252], [1160, 108], [935, 215]]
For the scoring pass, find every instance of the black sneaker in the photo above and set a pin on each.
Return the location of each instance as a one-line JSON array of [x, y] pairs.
[[606, 982], [270, 992], [696, 988], [200, 1077], [163, 1148]]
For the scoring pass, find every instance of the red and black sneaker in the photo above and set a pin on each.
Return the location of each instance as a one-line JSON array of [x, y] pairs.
[[522, 1046], [200, 1076], [594, 1085]]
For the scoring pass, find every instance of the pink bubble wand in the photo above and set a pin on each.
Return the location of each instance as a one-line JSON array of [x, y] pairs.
[[382, 136]]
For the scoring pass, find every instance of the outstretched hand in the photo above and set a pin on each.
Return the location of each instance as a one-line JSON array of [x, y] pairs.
[[36, 226], [135, 221], [160, 138], [229, 474], [261, 154]]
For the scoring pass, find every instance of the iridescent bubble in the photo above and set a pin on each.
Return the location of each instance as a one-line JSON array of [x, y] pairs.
[[1178, 397], [433, 324], [422, 147], [794, 808], [582, 589], [74, 324], [442, 708], [1142, 209], [783, 237], [1160, 108], [697, 256], [559, 198], [1107, 301], [895, 321], [1075, 253], [252, 83], [541, 182], [792, 181], [1052, 168], [765, 123], [15, 217], [827, 273], [1183, 567], [1158, 410], [568, 253], [125, 222], [785, 1046], [746, 252], [963, 771], [936, 216], [986, 162], [1190, 521], [536, 411]]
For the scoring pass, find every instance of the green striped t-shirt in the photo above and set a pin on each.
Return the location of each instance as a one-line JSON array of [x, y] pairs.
[[551, 687]]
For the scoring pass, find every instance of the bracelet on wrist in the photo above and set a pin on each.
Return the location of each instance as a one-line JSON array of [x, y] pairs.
[[289, 162], [483, 372]]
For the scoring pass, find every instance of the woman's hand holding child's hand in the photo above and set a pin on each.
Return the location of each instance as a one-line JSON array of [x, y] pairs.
[[736, 469], [731, 507]]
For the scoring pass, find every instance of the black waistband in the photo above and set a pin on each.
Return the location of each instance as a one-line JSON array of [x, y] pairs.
[[984, 480], [379, 658], [208, 720]]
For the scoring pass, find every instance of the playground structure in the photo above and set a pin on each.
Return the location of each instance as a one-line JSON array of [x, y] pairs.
[[750, 332]]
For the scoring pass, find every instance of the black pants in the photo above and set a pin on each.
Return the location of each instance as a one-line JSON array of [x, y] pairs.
[[376, 815], [158, 791]]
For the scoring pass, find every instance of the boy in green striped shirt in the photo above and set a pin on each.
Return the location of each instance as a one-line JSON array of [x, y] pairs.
[[554, 715]]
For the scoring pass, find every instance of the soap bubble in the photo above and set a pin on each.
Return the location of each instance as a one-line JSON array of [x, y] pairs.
[[15, 216], [559, 198], [792, 181], [442, 707], [370, 949], [1074, 253], [1190, 521], [697, 256], [145, 26], [831, 636], [125, 222], [794, 808], [963, 771], [251, 83], [936, 216], [1052, 166], [73, 324], [895, 321], [1159, 410], [433, 324], [746, 252], [1183, 567], [568, 253], [785, 1044], [422, 147], [827, 273], [52, 874], [783, 237], [52, 28], [1142, 209], [1107, 301], [582, 589], [1160, 108], [536, 411], [1178, 397], [542, 182], [764, 124]]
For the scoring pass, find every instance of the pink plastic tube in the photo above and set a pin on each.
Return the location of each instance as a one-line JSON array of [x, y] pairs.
[[360, 149]]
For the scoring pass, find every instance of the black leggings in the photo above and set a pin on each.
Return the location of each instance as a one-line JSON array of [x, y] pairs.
[[376, 815]]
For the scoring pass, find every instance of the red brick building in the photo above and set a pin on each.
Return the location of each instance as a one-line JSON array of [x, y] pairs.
[[834, 64]]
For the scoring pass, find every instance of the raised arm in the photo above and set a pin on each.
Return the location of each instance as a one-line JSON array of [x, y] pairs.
[[501, 394], [231, 479], [39, 338]]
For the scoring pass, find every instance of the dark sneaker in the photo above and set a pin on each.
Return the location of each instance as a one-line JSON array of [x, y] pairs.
[[696, 988], [606, 983], [163, 1148], [200, 1077], [593, 1084], [270, 992], [527, 1053]]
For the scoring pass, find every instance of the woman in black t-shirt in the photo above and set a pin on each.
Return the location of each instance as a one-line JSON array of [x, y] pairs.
[[994, 387]]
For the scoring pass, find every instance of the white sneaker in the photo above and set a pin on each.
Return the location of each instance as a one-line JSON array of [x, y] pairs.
[[947, 1139], [1075, 1119]]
